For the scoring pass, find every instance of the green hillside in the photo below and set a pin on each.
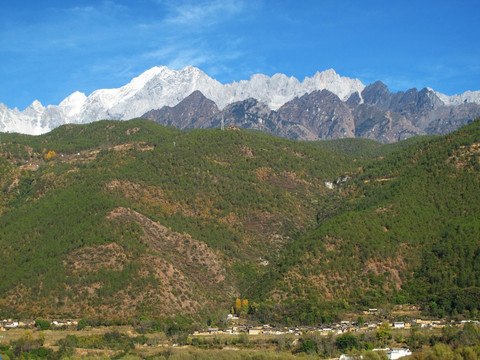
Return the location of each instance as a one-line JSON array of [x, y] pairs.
[[367, 147], [119, 219], [406, 230], [352, 146], [114, 220]]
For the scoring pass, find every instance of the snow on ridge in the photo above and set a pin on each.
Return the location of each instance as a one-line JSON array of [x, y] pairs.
[[329, 80], [467, 97], [161, 86], [74, 99]]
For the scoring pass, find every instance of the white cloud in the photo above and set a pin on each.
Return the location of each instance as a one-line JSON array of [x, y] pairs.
[[103, 8], [105, 43], [192, 33], [204, 13]]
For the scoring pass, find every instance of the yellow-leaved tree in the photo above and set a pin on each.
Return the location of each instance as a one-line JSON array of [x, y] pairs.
[[238, 305], [50, 155]]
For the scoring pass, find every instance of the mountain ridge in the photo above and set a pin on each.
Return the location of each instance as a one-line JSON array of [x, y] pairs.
[[161, 86], [320, 115]]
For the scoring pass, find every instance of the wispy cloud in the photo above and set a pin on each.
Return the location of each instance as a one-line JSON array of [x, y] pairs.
[[203, 13], [53, 50], [105, 43], [191, 33]]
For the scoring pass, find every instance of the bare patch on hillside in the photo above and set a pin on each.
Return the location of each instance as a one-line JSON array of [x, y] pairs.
[[132, 131], [263, 173], [247, 152], [93, 258], [464, 155], [182, 250], [384, 209], [140, 146], [14, 184], [31, 166], [383, 179], [221, 163], [286, 180], [174, 289], [155, 197], [144, 194], [232, 220], [390, 267]]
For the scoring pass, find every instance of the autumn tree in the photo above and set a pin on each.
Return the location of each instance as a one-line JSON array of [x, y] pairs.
[[50, 155], [238, 305]]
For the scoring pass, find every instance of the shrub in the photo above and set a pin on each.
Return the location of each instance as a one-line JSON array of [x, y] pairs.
[[42, 324]]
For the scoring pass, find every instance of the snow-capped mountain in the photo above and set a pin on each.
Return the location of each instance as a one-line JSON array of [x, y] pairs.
[[161, 86], [466, 97]]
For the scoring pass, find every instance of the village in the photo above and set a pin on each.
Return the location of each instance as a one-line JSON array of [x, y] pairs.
[[8, 324], [326, 329], [336, 328], [237, 325], [240, 327], [375, 318]]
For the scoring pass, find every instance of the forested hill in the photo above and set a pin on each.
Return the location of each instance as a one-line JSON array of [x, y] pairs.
[[406, 229], [117, 219], [367, 147]]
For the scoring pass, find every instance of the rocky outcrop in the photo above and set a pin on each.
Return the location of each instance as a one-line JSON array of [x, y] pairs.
[[192, 112], [374, 114], [321, 114], [382, 125], [247, 114]]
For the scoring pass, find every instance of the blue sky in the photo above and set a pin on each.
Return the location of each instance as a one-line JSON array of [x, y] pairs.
[[49, 49]]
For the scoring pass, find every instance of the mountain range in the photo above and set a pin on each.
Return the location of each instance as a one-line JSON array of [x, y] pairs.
[[325, 106]]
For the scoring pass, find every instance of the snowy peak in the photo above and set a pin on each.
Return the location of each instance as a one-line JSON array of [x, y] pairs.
[[329, 80], [466, 97], [35, 109], [73, 105], [277, 90], [75, 99], [161, 86], [36, 106]]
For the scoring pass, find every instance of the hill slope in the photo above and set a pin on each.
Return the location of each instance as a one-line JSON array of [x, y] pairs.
[[116, 220], [119, 219], [406, 229]]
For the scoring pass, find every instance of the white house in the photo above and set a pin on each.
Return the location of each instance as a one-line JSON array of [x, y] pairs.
[[254, 332], [397, 353], [348, 357], [232, 317]]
